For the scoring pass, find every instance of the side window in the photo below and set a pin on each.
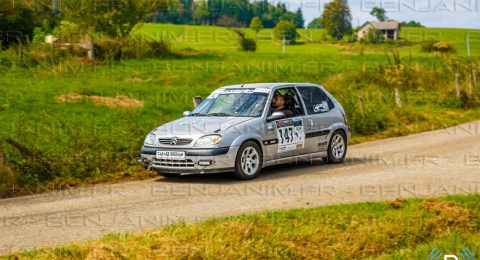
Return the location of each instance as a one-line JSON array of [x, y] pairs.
[[288, 101], [316, 101]]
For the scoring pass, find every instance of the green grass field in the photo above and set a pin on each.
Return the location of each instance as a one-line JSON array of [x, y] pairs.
[[222, 39], [399, 229], [85, 142]]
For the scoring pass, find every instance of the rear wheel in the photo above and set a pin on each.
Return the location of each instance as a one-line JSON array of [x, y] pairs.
[[337, 148], [248, 162]]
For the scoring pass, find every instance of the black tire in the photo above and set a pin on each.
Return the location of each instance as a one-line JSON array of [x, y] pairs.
[[331, 157], [240, 172]]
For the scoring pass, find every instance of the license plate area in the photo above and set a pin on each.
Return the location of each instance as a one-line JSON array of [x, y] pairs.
[[170, 155]]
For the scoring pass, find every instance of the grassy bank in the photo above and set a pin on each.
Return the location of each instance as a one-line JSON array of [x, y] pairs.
[[75, 137], [399, 229]]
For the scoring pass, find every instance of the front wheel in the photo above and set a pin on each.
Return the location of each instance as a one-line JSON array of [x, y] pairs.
[[337, 148], [248, 162]]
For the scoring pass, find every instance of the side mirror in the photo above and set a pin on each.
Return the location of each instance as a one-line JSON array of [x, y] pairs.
[[186, 113], [276, 116]]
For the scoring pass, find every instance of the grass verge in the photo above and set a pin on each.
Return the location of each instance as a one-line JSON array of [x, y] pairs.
[[399, 229]]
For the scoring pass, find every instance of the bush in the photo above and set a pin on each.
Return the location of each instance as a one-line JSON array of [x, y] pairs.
[[68, 32], [38, 35], [444, 47], [287, 29], [349, 38], [246, 44], [404, 74], [374, 35], [8, 178], [256, 24], [160, 48], [107, 49], [374, 119], [133, 48], [427, 46], [437, 46]]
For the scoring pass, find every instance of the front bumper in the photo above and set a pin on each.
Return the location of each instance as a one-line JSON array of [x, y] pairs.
[[222, 160]]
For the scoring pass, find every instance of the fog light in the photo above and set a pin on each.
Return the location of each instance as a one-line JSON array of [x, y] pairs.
[[205, 163]]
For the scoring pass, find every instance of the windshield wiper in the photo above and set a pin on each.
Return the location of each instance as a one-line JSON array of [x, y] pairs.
[[219, 114], [197, 114]]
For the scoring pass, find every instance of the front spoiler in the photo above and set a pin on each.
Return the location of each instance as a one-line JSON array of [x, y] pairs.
[[188, 151]]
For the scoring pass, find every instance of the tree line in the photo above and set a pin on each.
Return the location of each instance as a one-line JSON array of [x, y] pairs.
[[236, 13], [18, 19]]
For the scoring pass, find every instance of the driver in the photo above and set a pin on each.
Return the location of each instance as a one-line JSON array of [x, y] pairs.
[[278, 104]]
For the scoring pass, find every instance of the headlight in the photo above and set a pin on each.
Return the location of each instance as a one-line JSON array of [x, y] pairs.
[[150, 139], [208, 140]]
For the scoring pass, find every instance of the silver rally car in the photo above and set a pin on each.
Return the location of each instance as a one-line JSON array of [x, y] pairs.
[[243, 128]]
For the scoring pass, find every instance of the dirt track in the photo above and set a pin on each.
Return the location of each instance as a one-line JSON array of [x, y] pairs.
[[429, 164]]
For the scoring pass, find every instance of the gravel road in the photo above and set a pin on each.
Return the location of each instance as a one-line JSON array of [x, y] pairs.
[[429, 164]]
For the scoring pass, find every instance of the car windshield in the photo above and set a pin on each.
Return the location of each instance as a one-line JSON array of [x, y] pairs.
[[232, 102]]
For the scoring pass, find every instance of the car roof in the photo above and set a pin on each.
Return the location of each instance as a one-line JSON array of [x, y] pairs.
[[265, 85]]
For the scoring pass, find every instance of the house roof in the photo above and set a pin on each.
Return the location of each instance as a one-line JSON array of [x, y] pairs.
[[387, 25]]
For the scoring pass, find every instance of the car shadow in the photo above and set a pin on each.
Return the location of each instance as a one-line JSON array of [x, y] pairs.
[[270, 172]]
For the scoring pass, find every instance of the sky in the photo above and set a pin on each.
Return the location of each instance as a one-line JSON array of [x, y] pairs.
[[431, 13]]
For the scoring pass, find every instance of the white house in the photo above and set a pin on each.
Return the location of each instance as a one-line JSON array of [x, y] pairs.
[[389, 28]]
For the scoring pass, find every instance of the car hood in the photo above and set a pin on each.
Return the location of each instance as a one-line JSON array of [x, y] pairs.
[[196, 126]]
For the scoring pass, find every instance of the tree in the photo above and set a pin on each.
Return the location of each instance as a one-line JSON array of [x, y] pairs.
[[288, 16], [256, 24], [200, 11], [379, 13], [286, 29], [298, 17], [216, 12], [411, 24], [18, 20], [116, 20], [315, 23], [337, 19]]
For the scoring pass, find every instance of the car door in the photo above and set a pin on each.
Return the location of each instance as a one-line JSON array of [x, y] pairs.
[[285, 137], [319, 116]]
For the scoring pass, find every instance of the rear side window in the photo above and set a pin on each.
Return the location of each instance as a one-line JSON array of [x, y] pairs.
[[316, 101]]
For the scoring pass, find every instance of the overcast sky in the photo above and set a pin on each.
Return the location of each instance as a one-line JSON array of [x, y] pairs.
[[432, 13]]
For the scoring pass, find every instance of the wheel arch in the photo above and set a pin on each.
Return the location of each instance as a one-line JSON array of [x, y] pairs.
[[239, 172], [255, 141], [340, 127], [239, 141]]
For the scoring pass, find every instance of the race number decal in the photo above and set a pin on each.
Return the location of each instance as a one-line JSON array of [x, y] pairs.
[[290, 134]]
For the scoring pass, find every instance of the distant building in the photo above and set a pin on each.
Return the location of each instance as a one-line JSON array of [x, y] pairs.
[[389, 28]]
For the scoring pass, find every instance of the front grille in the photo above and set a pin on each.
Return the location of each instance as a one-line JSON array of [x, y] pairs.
[[175, 163], [179, 141]]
